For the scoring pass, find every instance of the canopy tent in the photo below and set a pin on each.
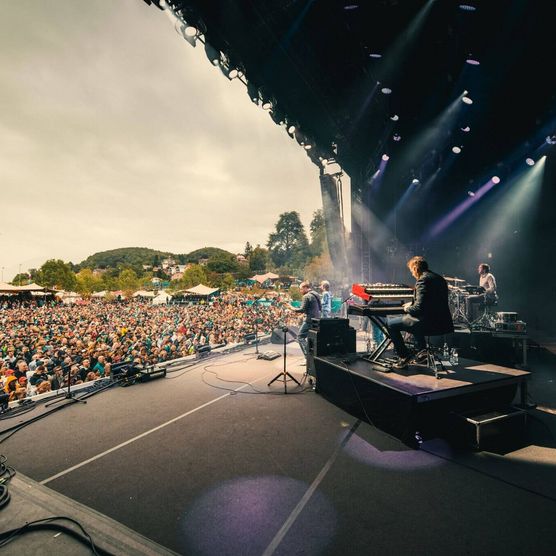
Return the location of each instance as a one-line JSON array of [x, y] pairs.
[[8, 288], [31, 288], [144, 293], [99, 295], [162, 298], [202, 290], [68, 297], [262, 278]]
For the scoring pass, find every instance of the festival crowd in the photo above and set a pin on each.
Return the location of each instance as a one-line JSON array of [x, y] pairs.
[[42, 346]]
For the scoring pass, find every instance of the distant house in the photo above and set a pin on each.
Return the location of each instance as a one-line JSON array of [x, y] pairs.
[[167, 263], [147, 266], [99, 271], [204, 261], [177, 276], [241, 258]]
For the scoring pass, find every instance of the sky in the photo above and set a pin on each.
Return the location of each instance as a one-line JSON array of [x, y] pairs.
[[115, 132]]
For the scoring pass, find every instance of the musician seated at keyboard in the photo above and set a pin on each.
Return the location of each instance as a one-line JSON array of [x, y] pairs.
[[489, 297], [427, 315]]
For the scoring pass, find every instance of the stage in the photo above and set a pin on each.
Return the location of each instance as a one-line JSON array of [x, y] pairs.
[[201, 463]]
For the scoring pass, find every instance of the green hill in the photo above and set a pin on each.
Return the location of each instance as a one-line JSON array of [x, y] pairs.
[[206, 253], [137, 256], [125, 256]]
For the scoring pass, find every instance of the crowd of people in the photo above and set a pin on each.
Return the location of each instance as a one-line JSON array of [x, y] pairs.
[[42, 347]]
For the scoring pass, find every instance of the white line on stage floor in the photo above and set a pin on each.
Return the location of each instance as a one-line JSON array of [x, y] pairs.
[[146, 433], [271, 548]]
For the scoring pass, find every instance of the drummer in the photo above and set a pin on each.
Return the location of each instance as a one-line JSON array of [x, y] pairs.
[[488, 283]]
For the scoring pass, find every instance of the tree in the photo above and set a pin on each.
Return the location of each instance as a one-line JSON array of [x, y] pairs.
[[87, 282], [248, 250], [222, 263], [318, 234], [128, 281], [321, 268], [56, 273], [288, 245], [193, 276], [21, 279], [258, 259]]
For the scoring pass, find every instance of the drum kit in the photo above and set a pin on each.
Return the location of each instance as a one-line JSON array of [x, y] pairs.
[[458, 292]]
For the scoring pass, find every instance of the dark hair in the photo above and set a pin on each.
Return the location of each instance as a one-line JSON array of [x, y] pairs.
[[485, 266]]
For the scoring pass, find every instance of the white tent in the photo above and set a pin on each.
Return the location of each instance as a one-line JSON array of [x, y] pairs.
[[262, 278], [143, 293], [98, 295], [69, 297], [162, 298], [202, 290]]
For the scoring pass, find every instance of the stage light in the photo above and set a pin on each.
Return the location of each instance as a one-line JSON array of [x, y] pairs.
[[386, 91], [456, 150], [495, 179], [471, 193], [472, 62], [551, 139], [307, 146], [394, 118], [351, 7], [467, 7], [291, 131], [267, 105], [385, 157], [466, 129], [253, 93], [529, 162], [375, 55], [466, 100], [396, 137], [415, 181], [190, 34], [212, 54]]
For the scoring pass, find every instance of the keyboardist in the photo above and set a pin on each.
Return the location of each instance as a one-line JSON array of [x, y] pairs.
[[427, 314]]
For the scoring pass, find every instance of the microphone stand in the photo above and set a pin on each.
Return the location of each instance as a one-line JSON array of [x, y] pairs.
[[69, 394], [284, 376]]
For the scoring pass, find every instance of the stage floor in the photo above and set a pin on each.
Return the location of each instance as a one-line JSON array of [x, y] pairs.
[[202, 463]]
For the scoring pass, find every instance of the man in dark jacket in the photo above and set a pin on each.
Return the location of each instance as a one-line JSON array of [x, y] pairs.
[[428, 314], [311, 307]]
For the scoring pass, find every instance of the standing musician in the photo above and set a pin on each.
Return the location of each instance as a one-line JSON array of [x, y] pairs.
[[311, 307], [488, 282], [326, 299], [427, 314]]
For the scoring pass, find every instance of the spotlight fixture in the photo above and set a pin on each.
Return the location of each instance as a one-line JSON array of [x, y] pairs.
[[415, 181], [375, 55], [472, 62], [190, 34], [291, 131], [551, 139], [495, 179], [394, 118], [456, 149], [386, 91], [466, 129], [397, 137], [350, 7], [267, 105], [307, 146], [212, 54], [467, 7], [385, 157], [471, 193], [253, 92], [466, 100], [529, 162]]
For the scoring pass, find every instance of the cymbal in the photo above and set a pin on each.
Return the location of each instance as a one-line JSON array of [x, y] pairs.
[[453, 279]]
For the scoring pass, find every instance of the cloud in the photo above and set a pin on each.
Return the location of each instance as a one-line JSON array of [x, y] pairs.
[[115, 132]]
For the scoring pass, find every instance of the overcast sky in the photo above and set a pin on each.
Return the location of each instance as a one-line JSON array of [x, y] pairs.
[[115, 132]]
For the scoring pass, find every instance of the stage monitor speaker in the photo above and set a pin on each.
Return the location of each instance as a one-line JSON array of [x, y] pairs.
[[331, 339], [277, 336]]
